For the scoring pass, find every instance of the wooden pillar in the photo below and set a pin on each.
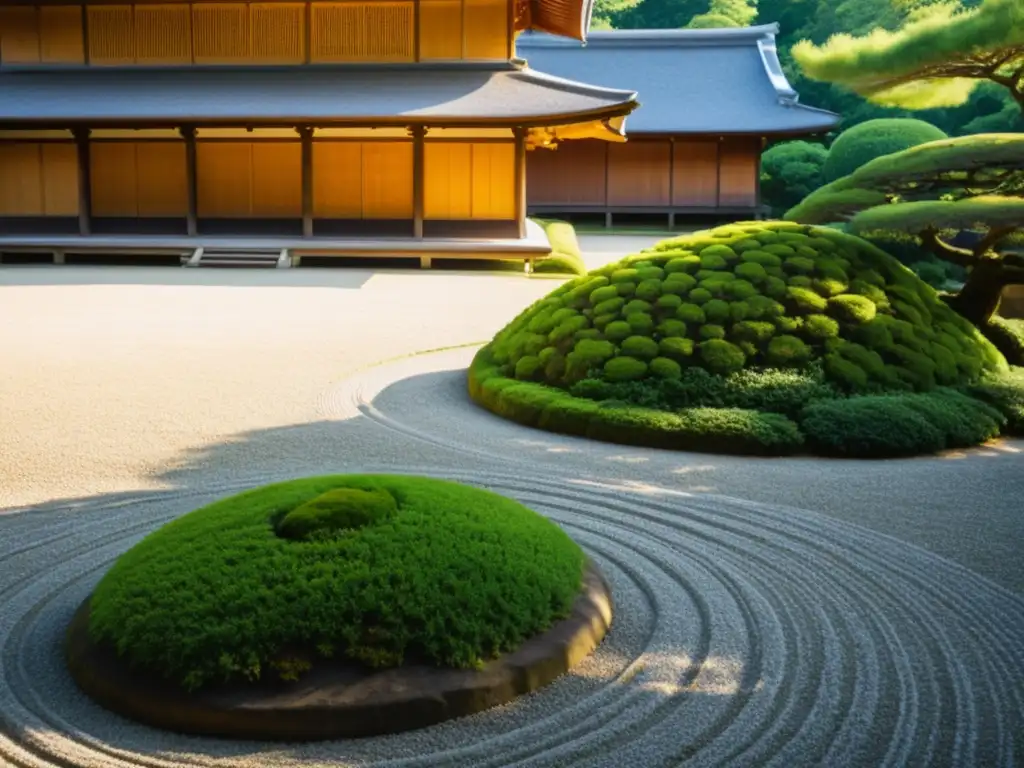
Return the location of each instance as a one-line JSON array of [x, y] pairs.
[[671, 182], [607, 167], [757, 181], [306, 136], [191, 176], [419, 136], [84, 181], [718, 173], [510, 30], [520, 179]]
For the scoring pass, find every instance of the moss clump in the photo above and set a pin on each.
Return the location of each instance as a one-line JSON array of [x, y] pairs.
[[751, 296], [721, 357], [676, 348], [665, 368], [625, 369], [449, 574], [642, 347], [850, 308], [690, 313], [751, 271], [804, 301], [337, 511]]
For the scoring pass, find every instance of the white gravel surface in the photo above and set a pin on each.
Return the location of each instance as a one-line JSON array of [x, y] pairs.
[[883, 627]]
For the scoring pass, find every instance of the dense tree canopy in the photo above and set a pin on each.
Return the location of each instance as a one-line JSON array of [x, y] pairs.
[[726, 13], [935, 191], [936, 59]]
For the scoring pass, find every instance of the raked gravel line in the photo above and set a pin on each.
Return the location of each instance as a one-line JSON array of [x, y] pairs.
[[746, 634]]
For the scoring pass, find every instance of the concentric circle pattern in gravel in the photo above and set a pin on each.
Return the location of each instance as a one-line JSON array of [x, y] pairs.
[[745, 634]]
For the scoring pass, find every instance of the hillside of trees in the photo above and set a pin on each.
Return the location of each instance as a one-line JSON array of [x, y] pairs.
[[990, 108]]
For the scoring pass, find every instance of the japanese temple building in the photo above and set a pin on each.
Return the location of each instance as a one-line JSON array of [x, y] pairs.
[[326, 127], [710, 100]]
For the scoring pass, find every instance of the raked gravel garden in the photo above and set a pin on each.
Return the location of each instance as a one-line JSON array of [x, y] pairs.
[[782, 610]]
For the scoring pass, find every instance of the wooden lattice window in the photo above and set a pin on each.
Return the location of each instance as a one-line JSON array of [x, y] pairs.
[[163, 34], [354, 31], [220, 33], [111, 34], [278, 32]]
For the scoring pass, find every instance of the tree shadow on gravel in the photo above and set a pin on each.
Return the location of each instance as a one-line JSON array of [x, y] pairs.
[[963, 505]]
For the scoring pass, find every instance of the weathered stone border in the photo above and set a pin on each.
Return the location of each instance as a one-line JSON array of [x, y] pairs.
[[335, 700]]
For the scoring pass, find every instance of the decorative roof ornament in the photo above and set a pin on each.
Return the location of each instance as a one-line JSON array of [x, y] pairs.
[[565, 18]]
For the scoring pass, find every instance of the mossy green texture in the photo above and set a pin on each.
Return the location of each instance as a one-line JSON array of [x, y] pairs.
[[337, 511], [899, 425], [438, 572], [755, 296]]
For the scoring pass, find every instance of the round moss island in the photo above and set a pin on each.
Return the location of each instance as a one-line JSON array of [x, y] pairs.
[[337, 606], [758, 338]]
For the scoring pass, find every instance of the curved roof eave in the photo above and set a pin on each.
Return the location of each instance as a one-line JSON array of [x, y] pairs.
[[332, 95]]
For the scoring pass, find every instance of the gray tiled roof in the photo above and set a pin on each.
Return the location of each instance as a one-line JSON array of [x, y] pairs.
[[689, 81], [266, 95]]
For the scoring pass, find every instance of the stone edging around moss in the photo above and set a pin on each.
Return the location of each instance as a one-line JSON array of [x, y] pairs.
[[335, 700], [707, 430]]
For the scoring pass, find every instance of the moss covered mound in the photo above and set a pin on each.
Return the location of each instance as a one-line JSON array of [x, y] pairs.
[[718, 341], [423, 570]]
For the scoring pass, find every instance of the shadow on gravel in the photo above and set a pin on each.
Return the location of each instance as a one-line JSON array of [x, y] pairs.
[[965, 507]]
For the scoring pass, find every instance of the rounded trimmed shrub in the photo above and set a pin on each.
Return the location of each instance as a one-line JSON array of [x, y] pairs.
[[795, 303], [865, 141], [385, 567]]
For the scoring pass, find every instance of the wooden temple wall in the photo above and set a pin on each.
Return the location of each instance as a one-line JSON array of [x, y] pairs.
[[646, 175], [38, 179], [138, 181], [362, 179], [176, 33], [466, 180]]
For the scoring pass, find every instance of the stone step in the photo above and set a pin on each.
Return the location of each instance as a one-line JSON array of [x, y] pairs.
[[240, 258]]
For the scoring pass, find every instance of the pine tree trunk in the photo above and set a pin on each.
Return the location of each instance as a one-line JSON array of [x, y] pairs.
[[979, 299]]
